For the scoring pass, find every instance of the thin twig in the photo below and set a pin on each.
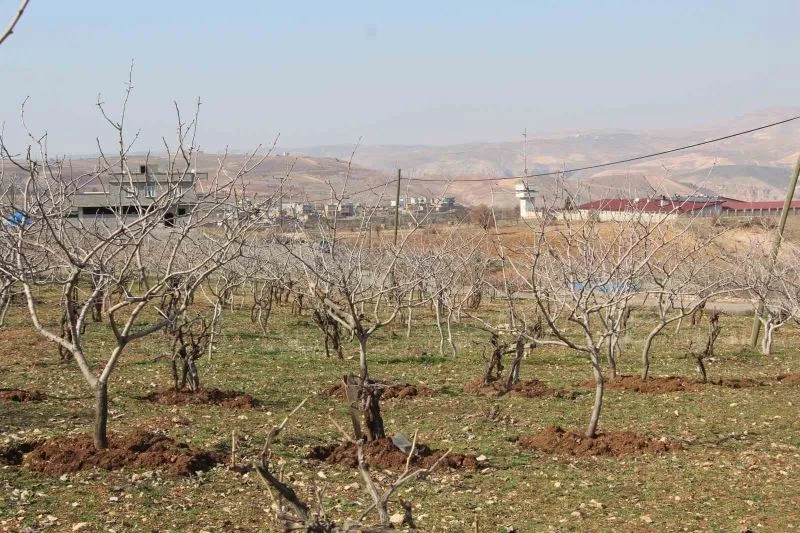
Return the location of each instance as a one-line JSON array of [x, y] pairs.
[[14, 21]]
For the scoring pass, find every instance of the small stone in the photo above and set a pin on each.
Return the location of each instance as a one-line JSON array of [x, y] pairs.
[[322, 475], [646, 519], [79, 526], [397, 519], [481, 458]]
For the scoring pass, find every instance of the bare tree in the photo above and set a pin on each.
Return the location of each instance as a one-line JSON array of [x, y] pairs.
[[125, 250], [581, 273], [773, 285], [360, 285], [680, 280]]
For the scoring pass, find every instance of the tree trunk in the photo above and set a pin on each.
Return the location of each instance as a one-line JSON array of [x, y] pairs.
[[101, 415], [591, 432], [5, 301], [613, 342], [437, 308], [495, 367], [362, 357], [648, 344], [766, 341], [701, 368], [371, 409], [194, 375], [450, 333], [513, 375]]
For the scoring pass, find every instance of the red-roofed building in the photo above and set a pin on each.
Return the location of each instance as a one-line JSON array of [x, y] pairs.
[[660, 207], [756, 209], [663, 207]]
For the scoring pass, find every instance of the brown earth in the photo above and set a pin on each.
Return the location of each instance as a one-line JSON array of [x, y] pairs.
[[382, 453], [792, 378], [653, 385], [737, 383], [231, 399], [396, 390], [559, 441], [140, 449], [530, 388], [21, 395]]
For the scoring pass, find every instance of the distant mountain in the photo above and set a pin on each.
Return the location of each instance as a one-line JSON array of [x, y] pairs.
[[754, 166]]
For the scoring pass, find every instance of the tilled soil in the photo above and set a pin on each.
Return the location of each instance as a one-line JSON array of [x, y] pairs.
[[653, 385], [21, 395], [530, 388], [792, 378], [390, 390], [140, 449], [559, 441], [382, 453], [737, 383], [230, 399]]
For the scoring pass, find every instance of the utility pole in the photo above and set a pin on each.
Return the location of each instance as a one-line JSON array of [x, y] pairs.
[[397, 208], [525, 151], [776, 246]]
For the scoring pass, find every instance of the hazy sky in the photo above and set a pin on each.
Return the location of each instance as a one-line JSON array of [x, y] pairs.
[[406, 72]]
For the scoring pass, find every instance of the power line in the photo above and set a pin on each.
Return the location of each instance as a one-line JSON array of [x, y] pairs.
[[610, 163], [577, 169]]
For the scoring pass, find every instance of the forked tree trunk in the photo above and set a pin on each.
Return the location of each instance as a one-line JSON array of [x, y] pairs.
[[513, 375], [369, 396], [363, 401], [100, 415], [769, 335], [495, 367]]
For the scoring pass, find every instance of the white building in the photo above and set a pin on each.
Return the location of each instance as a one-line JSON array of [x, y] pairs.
[[527, 199]]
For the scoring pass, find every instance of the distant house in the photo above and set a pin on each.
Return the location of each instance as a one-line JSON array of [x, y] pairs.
[[123, 194], [341, 210], [446, 203]]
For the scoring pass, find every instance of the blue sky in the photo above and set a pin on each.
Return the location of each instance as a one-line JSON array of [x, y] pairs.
[[407, 72]]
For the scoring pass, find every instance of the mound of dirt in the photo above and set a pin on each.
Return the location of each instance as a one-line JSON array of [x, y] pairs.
[[530, 388], [737, 383], [231, 399], [382, 453], [533, 388], [140, 449], [559, 441], [792, 378], [653, 385], [13, 453], [21, 395], [390, 390]]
